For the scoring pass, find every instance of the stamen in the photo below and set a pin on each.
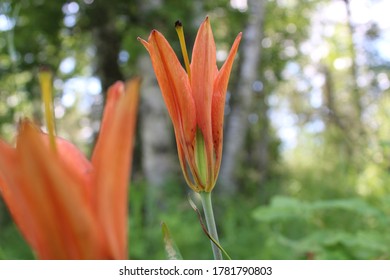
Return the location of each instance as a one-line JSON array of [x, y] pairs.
[[45, 81], [180, 33]]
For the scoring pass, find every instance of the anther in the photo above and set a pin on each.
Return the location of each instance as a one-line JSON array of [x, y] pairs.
[[180, 33]]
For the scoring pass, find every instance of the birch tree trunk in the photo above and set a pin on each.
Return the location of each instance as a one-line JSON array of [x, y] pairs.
[[237, 125], [355, 90], [107, 40]]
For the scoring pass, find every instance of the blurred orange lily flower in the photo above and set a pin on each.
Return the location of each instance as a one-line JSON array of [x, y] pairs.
[[195, 100], [66, 206]]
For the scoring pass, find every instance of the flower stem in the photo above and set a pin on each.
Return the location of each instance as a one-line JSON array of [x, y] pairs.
[[210, 221]]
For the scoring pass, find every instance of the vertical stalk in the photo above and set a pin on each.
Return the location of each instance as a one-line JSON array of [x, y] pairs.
[[210, 221]]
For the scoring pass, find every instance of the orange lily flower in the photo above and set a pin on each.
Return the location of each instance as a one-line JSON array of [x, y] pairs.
[[66, 206], [195, 101]]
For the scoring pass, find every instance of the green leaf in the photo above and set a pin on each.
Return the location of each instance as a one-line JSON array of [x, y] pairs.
[[282, 208], [171, 249]]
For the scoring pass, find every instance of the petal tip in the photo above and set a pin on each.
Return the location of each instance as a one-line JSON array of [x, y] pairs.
[[143, 42], [133, 83], [153, 33], [153, 36], [206, 21], [117, 85], [116, 89]]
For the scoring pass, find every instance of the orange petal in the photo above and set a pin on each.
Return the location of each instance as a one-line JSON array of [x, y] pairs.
[[218, 102], [62, 221], [187, 163], [203, 67], [7, 158], [75, 160], [174, 85], [112, 163], [10, 180]]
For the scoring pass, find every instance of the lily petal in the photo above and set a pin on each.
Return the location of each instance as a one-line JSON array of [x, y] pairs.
[[49, 192], [10, 178], [112, 165], [76, 161], [218, 102], [203, 67], [174, 85]]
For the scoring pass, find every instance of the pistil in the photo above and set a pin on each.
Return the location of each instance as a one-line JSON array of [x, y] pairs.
[[45, 81], [180, 33]]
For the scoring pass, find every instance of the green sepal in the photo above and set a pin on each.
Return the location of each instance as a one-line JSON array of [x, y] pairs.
[[200, 156]]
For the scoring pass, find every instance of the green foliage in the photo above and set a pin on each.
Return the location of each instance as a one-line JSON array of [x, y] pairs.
[[12, 245], [148, 211], [289, 227], [348, 228]]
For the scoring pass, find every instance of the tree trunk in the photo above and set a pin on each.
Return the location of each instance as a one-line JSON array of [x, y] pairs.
[[355, 90], [262, 135], [237, 125], [107, 41], [159, 157]]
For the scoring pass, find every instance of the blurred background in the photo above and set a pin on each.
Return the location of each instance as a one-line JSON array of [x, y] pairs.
[[306, 162]]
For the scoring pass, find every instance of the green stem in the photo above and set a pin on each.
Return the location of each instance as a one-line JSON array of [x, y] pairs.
[[210, 221]]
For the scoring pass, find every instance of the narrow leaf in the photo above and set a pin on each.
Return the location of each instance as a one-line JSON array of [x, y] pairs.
[[171, 249]]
